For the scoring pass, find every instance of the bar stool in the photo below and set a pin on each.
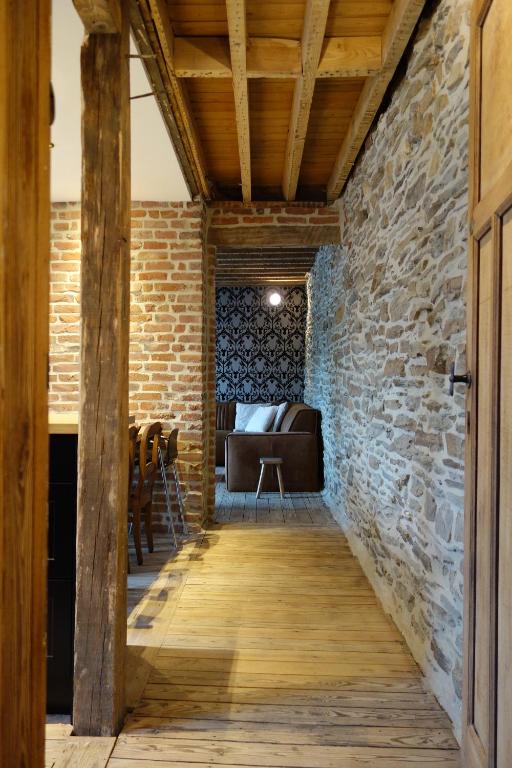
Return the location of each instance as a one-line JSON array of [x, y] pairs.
[[169, 460], [266, 461]]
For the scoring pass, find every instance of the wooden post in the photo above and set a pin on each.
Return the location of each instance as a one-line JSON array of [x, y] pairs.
[[100, 628], [24, 250]]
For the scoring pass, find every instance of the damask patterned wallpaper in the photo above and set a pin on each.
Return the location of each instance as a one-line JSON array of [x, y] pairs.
[[260, 348]]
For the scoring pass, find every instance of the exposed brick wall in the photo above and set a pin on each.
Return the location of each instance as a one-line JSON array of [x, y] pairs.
[[171, 330], [172, 327]]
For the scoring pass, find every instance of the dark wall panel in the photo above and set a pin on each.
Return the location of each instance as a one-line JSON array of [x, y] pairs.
[[260, 348]]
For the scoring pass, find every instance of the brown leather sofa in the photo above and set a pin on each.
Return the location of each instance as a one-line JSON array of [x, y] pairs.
[[225, 423], [297, 442]]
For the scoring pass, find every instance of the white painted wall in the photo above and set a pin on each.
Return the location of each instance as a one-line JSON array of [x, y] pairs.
[[156, 174]]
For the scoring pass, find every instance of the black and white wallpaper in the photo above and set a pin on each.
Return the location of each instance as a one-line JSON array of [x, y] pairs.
[[260, 348]]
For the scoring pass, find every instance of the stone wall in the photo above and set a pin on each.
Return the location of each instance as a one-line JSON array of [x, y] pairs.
[[172, 331], [387, 319]]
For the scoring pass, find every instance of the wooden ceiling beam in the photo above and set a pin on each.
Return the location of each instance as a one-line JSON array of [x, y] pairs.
[[399, 28], [263, 268], [272, 235], [99, 16], [269, 57], [154, 37], [350, 57], [313, 33], [236, 15], [249, 264], [291, 280]]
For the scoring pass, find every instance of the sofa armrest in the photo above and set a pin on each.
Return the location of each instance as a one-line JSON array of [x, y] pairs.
[[299, 451]]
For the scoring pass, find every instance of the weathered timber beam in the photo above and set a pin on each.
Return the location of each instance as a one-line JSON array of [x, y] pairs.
[[156, 72], [273, 235], [100, 16], [399, 28], [161, 35], [277, 58], [24, 279], [315, 20], [250, 264], [154, 41], [100, 629], [238, 49], [263, 270], [288, 280]]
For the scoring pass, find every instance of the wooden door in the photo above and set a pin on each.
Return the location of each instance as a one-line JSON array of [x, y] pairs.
[[487, 725]]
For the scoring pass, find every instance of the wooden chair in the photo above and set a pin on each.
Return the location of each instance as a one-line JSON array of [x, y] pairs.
[[148, 468], [133, 510]]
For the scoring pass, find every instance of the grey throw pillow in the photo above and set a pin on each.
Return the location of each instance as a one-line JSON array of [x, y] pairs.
[[281, 411]]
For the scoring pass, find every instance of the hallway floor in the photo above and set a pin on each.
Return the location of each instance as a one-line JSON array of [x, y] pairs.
[[262, 644]]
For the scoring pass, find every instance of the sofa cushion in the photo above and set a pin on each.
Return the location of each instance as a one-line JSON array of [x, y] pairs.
[[300, 418], [225, 415], [244, 411], [262, 419], [281, 412]]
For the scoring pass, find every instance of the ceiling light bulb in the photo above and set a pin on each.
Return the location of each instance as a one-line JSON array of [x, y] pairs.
[[275, 298]]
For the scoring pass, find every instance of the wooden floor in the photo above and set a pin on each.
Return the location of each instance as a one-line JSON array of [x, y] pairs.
[[262, 644], [270, 509]]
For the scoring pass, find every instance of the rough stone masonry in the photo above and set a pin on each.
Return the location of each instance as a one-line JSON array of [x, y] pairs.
[[387, 317]]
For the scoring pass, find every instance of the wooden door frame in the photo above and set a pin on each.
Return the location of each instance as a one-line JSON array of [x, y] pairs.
[[24, 309]]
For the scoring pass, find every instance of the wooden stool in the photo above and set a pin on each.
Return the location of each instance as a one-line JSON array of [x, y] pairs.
[[277, 463]]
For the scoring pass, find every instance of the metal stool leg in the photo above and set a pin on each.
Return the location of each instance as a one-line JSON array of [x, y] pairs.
[[260, 482], [181, 506], [280, 480], [167, 497]]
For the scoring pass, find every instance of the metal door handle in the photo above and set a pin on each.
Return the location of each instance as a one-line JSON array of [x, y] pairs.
[[464, 378]]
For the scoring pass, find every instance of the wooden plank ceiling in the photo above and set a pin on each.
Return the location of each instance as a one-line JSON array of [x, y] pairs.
[[264, 266], [266, 99]]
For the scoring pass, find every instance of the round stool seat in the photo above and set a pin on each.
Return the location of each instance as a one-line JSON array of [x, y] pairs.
[[273, 461]]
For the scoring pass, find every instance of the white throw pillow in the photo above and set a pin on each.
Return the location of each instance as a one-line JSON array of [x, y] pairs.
[[243, 413], [281, 412], [262, 419]]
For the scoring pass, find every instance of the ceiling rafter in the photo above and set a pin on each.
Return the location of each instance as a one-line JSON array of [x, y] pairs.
[[277, 58], [236, 14], [315, 20], [312, 97], [399, 28], [263, 267]]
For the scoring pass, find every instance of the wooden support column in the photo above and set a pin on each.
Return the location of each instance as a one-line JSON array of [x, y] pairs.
[[100, 637], [24, 250]]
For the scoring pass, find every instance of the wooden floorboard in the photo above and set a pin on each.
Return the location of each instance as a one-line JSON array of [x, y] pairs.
[[262, 644]]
